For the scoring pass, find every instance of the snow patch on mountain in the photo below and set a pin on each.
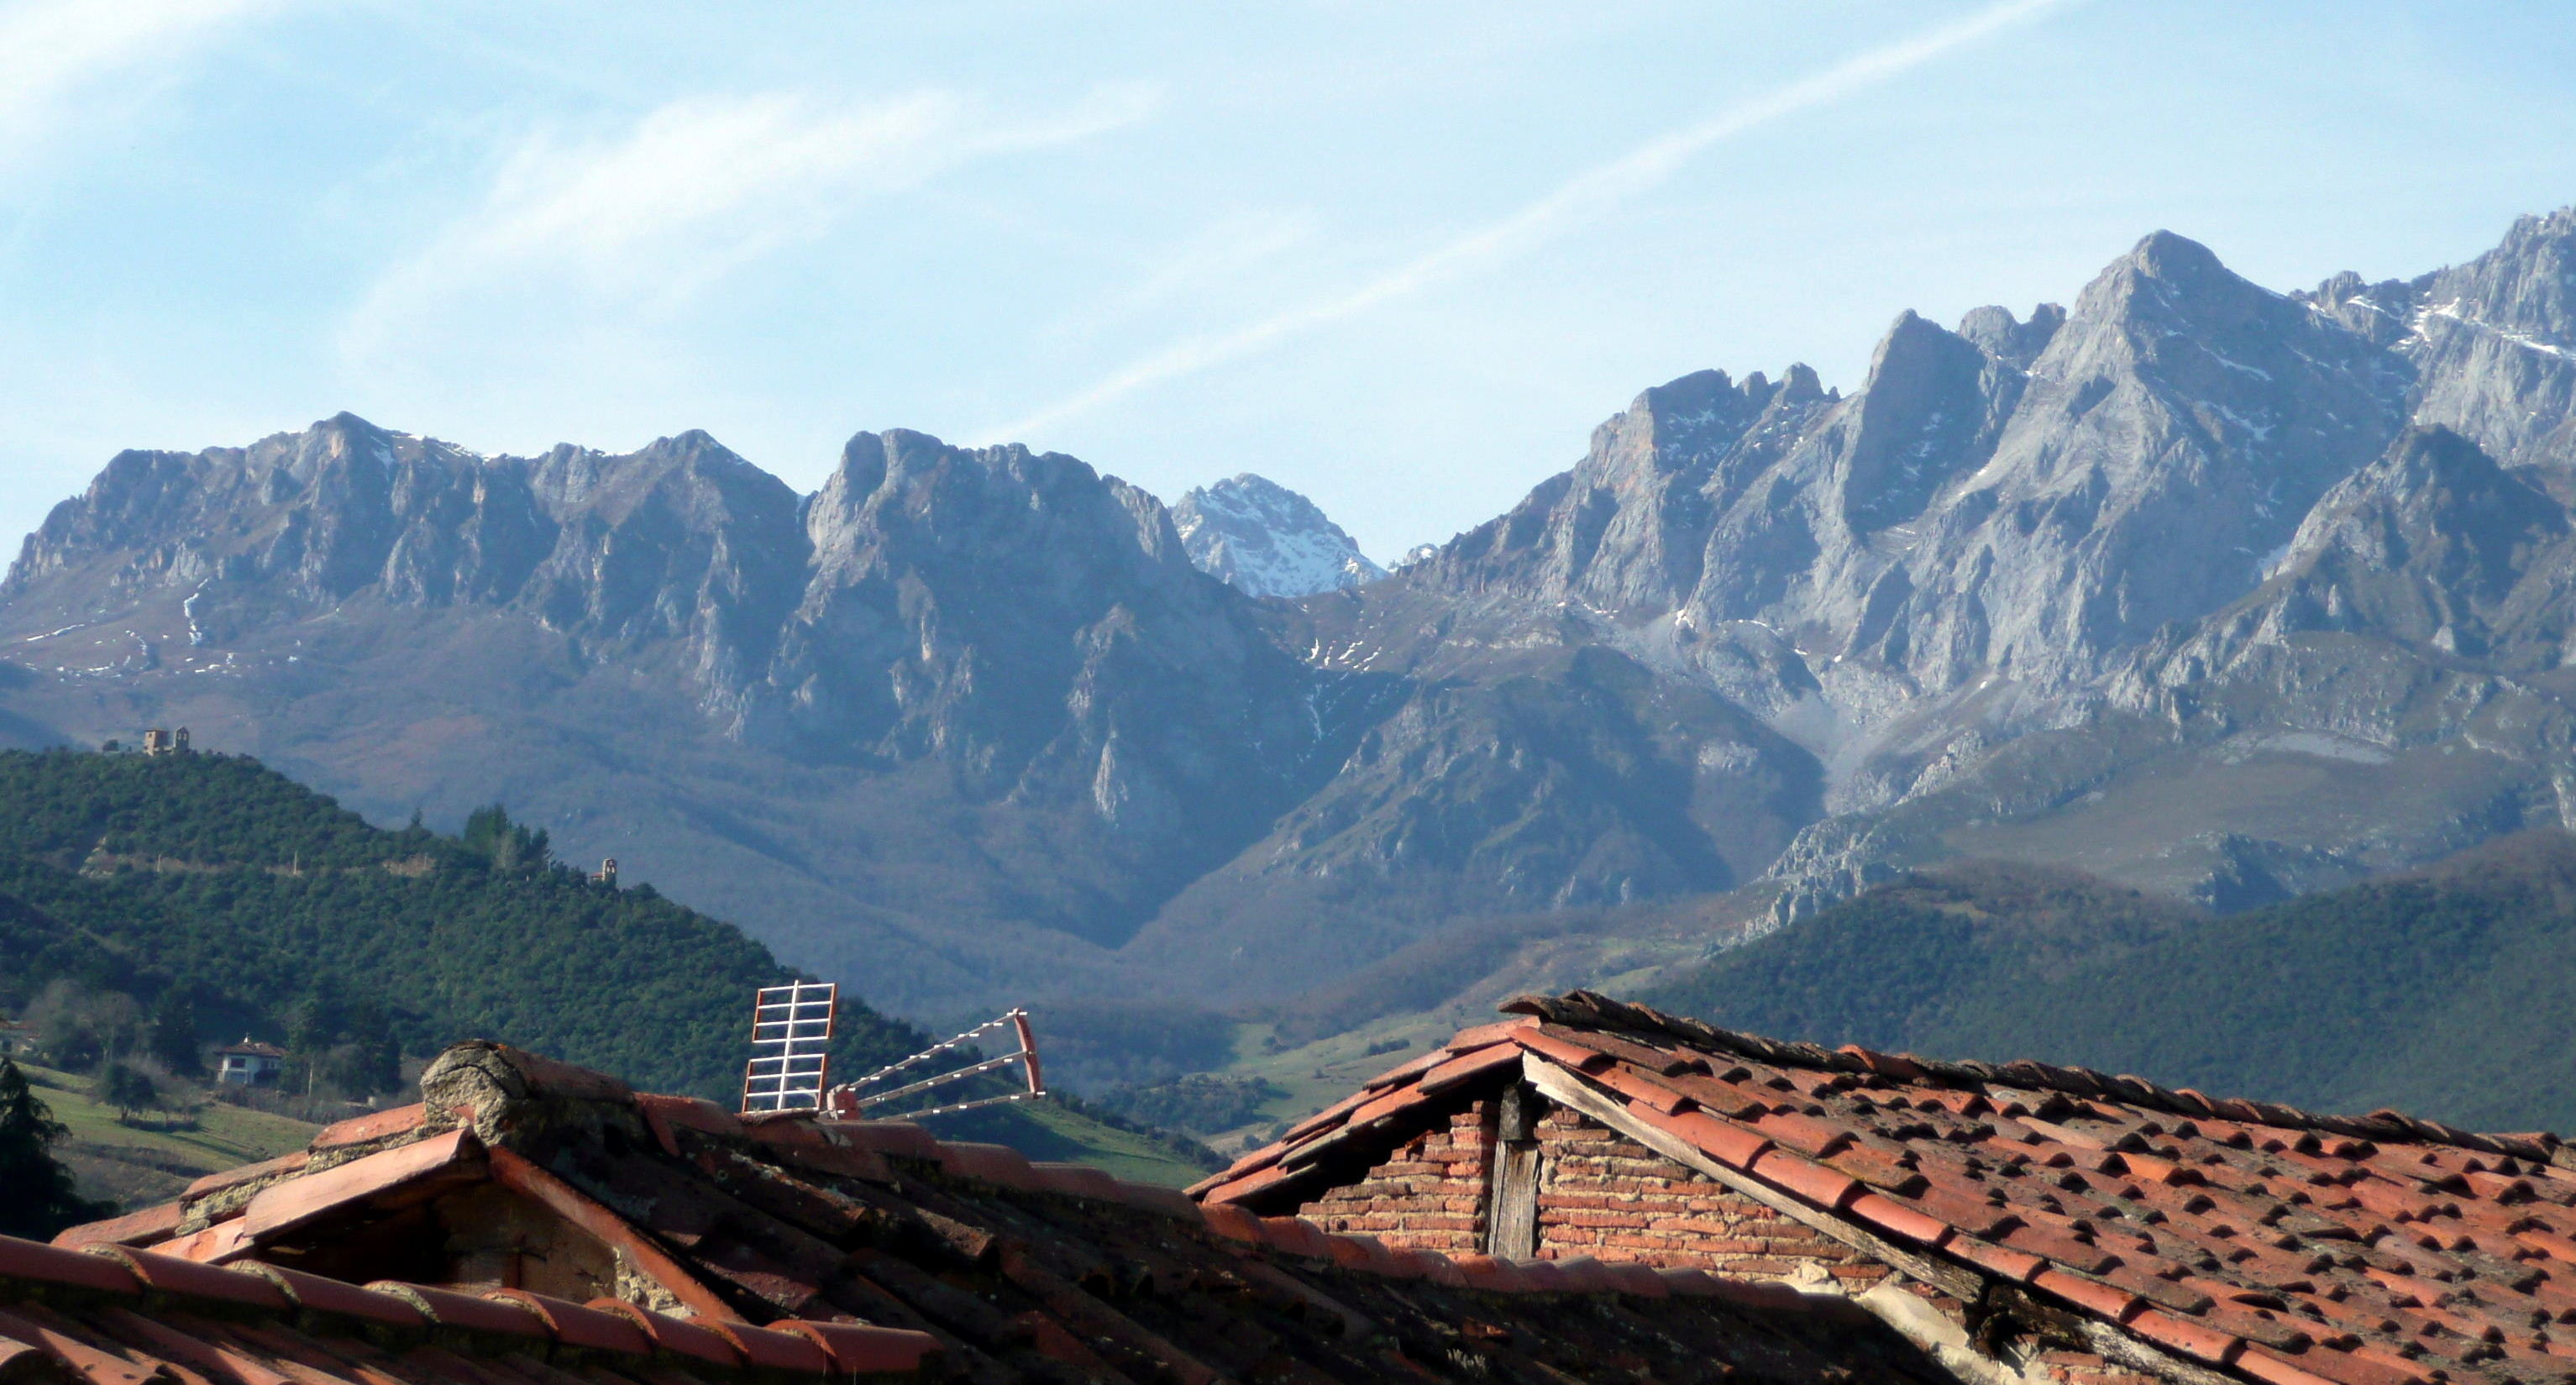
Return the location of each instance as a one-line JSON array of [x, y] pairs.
[[1268, 540]]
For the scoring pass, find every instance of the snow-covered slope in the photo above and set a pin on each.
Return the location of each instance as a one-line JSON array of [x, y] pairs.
[[1268, 540]]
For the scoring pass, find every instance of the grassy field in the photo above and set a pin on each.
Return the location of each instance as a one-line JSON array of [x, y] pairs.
[[1131, 1157], [136, 1165]]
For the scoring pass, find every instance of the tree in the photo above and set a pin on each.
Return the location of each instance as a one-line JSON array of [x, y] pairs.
[[125, 1089], [174, 1032], [40, 1199], [506, 845]]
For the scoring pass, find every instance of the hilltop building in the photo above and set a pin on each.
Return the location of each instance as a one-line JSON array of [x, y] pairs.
[[160, 742], [250, 1064]]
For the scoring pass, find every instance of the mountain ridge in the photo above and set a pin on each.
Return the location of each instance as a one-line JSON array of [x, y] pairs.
[[2220, 591]]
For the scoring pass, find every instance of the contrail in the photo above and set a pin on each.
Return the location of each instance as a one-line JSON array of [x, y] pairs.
[[1584, 195]]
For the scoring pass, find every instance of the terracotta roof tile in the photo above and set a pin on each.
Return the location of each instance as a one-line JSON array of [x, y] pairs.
[[767, 1350], [247, 1173], [1235, 1190], [2186, 1336], [997, 1164], [315, 1294], [55, 1265], [1480, 1035], [1297, 1236], [167, 1274], [1809, 1135], [666, 1116], [448, 1308], [1233, 1222], [578, 1326], [1719, 1096], [141, 1228], [297, 1200], [1468, 1066], [1640, 1088], [1574, 1056], [861, 1350], [1810, 1180], [1899, 1220], [1664, 1061], [1542, 1277], [1075, 1180], [677, 1336], [2092, 1295], [400, 1120]]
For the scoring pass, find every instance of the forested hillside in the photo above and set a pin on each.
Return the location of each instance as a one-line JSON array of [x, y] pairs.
[[209, 885], [2447, 993]]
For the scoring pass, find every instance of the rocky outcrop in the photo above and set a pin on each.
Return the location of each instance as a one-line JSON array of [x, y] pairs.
[[1266, 540]]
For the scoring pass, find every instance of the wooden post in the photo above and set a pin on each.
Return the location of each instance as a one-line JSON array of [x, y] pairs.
[[1512, 1226]]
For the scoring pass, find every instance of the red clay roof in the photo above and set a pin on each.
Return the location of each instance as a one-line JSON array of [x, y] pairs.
[[781, 1234], [119, 1316], [2245, 1235]]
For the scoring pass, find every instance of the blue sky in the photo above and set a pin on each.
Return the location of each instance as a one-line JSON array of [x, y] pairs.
[[1400, 257]]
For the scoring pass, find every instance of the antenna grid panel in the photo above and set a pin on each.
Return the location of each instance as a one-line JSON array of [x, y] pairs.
[[791, 1030]]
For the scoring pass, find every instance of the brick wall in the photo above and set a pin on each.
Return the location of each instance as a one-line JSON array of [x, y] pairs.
[[1604, 1195], [1430, 1193]]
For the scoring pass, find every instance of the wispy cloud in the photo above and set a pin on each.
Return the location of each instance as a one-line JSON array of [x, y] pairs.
[[694, 190], [53, 51], [1585, 196]]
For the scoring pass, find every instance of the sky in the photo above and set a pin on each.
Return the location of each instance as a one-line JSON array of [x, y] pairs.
[[1402, 258]]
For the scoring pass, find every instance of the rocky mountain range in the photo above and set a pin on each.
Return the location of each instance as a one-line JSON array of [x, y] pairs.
[[2220, 592]]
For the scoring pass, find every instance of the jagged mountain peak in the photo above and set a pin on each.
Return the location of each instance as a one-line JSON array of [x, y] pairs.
[[2526, 286], [2009, 339], [1267, 540]]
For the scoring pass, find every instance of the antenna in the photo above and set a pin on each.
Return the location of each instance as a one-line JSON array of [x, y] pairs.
[[850, 1101], [791, 1029]]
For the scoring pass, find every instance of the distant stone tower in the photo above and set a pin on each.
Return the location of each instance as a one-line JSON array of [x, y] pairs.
[[606, 874], [157, 741]]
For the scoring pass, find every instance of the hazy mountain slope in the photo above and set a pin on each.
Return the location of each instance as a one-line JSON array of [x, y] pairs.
[[2387, 993]]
